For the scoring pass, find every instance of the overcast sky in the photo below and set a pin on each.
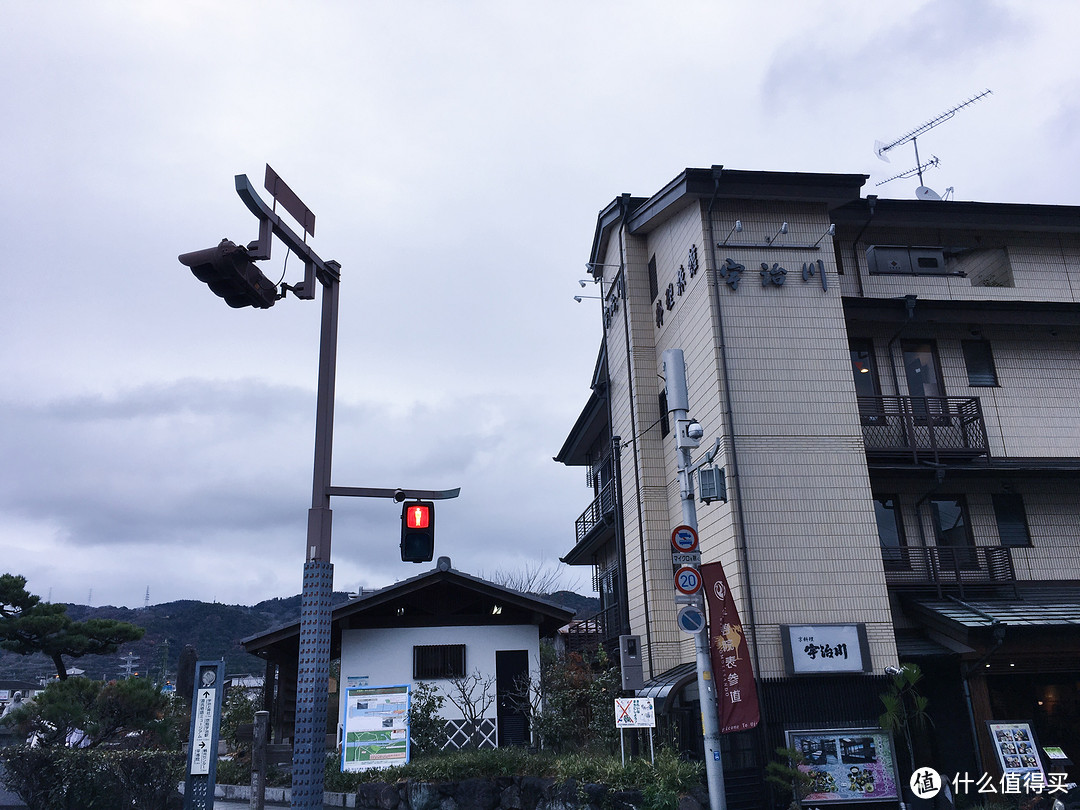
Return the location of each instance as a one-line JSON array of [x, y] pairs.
[[455, 155]]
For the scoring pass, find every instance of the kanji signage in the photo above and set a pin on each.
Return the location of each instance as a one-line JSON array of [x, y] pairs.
[[635, 713], [731, 665], [820, 649]]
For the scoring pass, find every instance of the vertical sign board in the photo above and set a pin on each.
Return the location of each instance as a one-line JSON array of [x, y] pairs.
[[1017, 753], [203, 739]]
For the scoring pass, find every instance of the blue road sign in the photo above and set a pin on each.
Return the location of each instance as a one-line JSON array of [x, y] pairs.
[[691, 620]]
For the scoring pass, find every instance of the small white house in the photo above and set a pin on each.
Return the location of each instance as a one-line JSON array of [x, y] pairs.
[[441, 627]]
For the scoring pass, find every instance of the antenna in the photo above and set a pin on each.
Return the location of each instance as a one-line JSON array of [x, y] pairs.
[[880, 148]]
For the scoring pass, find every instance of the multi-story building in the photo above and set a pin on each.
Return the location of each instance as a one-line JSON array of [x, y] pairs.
[[893, 387]]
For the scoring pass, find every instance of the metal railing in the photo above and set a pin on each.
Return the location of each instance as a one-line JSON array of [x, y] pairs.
[[948, 566], [599, 512], [923, 428]]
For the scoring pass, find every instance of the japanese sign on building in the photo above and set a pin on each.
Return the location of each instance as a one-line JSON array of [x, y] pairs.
[[731, 665], [847, 765], [816, 649], [376, 729]]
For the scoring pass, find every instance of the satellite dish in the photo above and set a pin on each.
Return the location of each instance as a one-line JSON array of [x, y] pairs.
[[926, 193]]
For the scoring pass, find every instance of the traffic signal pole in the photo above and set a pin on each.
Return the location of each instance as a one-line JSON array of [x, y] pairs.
[[230, 272], [678, 408]]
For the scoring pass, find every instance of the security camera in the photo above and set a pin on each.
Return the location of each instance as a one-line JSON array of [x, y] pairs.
[[894, 671], [695, 431], [399, 495]]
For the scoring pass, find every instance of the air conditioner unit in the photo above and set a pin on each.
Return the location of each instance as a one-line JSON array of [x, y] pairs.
[[906, 261]]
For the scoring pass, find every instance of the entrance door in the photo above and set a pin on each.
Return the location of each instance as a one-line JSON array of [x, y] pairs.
[[511, 672]]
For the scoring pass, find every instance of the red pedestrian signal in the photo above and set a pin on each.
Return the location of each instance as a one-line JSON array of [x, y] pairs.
[[418, 516], [417, 531]]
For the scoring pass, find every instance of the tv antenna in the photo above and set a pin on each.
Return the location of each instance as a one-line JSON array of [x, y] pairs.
[[880, 148]]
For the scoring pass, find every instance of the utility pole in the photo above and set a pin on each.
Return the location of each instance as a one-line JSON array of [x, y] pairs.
[[687, 437]]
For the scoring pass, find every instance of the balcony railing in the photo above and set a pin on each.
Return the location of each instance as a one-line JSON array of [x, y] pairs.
[[919, 429], [948, 566], [600, 512]]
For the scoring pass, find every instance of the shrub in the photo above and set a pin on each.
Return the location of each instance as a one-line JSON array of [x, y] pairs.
[[61, 778]]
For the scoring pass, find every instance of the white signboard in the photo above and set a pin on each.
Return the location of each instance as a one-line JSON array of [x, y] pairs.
[[635, 713], [825, 648], [376, 733], [203, 737]]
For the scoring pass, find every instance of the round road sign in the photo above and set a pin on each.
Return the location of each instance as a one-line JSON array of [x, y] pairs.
[[687, 580], [683, 538], [690, 619]]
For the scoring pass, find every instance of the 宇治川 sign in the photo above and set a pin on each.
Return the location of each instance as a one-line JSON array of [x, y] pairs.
[[819, 649]]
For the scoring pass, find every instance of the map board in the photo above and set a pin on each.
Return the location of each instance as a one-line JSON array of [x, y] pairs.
[[376, 732]]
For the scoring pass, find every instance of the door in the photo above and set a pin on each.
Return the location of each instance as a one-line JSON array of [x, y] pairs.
[[512, 695]]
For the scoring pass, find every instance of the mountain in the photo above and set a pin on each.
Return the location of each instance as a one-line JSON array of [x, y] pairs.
[[213, 629]]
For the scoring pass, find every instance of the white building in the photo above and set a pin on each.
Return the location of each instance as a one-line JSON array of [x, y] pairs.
[[437, 627], [894, 387]]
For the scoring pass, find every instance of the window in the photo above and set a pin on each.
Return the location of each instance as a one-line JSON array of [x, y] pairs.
[[654, 285], [980, 363], [867, 387], [890, 531], [438, 661], [922, 368], [1011, 520], [952, 529]]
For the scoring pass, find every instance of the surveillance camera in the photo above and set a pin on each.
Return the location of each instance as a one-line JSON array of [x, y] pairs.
[[894, 671], [694, 430], [399, 495]]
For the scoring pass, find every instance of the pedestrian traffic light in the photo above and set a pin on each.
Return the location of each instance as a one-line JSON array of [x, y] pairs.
[[231, 274], [417, 531]]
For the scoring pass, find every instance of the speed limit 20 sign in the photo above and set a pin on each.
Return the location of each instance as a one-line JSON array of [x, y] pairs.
[[687, 581]]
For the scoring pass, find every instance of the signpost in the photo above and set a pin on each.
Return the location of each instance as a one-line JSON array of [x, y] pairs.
[[635, 713], [205, 724]]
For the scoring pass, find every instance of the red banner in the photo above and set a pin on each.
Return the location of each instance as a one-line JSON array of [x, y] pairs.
[[731, 665]]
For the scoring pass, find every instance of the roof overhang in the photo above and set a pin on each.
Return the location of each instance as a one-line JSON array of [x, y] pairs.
[[694, 185], [957, 215], [440, 597]]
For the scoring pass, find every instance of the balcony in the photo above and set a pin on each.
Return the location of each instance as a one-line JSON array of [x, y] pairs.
[[923, 429], [948, 567], [600, 513]]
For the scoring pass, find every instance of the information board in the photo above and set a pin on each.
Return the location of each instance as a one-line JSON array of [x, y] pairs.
[[847, 765], [376, 727]]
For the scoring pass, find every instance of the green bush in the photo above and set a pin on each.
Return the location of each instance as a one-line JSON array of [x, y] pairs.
[[59, 778], [661, 782]]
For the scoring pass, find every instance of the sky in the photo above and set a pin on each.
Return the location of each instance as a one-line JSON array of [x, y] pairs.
[[157, 444]]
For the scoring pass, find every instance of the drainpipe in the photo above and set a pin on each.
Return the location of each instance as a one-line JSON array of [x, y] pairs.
[[871, 201], [729, 415], [909, 306], [997, 628]]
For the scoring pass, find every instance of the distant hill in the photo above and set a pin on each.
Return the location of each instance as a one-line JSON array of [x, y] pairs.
[[213, 629]]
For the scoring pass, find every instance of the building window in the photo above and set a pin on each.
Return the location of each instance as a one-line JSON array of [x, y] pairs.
[[1011, 520], [654, 285], [980, 363], [867, 387], [952, 529], [890, 531], [438, 661], [923, 369]]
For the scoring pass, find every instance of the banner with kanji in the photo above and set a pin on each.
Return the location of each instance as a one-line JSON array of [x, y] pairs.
[[732, 668]]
